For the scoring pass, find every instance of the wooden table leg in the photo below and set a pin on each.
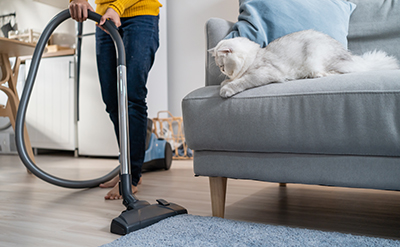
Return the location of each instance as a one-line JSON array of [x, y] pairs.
[[10, 111]]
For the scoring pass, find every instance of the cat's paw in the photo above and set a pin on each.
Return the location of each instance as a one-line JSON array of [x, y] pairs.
[[226, 92]]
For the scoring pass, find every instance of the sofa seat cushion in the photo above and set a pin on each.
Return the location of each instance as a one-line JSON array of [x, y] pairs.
[[350, 114]]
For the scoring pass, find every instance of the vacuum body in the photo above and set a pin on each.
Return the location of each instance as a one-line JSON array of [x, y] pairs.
[[158, 155]]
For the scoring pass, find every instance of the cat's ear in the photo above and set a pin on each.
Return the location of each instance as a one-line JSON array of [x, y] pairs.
[[212, 51], [225, 51]]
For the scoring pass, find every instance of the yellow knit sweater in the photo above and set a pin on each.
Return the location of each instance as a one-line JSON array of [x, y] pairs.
[[129, 8]]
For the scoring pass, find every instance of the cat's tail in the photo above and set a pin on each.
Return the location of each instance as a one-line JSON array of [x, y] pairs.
[[369, 61]]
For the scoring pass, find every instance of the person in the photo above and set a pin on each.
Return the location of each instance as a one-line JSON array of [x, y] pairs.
[[137, 23]]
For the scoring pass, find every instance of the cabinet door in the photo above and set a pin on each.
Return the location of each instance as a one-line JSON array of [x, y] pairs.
[[51, 114]]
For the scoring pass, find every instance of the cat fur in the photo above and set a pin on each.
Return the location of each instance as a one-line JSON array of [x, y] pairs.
[[304, 54]]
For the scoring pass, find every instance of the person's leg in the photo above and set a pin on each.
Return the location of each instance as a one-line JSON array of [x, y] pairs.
[[106, 66], [140, 36]]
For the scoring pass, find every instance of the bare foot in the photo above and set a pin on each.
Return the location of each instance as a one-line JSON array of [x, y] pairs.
[[113, 182], [113, 194]]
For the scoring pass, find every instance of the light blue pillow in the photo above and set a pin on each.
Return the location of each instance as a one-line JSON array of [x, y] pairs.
[[266, 20]]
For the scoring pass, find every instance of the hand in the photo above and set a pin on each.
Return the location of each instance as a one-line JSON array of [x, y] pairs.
[[112, 15], [79, 10]]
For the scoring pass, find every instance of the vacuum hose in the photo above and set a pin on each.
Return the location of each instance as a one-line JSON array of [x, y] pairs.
[[19, 123]]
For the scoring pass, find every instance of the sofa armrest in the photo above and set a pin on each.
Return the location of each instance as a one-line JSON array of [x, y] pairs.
[[216, 30]]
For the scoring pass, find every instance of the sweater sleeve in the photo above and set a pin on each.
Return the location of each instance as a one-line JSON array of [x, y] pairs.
[[120, 5]]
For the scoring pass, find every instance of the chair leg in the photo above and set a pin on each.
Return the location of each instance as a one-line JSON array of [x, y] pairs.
[[10, 111], [11, 76], [218, 195]]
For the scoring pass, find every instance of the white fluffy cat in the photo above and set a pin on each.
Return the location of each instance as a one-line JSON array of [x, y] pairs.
[[304, 54]]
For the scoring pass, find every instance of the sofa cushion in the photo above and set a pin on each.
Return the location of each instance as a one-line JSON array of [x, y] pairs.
[[350, 114], [264, 21]]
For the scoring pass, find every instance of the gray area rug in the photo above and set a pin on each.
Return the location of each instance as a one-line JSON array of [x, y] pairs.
[[191, 230]]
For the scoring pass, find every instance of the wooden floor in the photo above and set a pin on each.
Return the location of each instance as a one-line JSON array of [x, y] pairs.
[[35, 213]]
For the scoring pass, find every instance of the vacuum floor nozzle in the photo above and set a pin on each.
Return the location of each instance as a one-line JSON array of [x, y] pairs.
[[138, 218]]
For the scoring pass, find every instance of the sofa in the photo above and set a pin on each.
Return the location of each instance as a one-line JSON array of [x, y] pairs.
[[341, 130]]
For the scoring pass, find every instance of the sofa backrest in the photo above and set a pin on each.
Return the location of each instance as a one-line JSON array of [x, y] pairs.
[[216, 30], [375, 25]]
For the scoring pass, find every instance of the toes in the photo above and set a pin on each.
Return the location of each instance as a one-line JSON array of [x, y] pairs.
[[113, 197], [113, 194]]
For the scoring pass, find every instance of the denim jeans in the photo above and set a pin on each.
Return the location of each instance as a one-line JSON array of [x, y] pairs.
[[140, 37]]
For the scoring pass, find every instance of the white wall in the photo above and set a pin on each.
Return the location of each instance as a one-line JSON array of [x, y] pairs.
[[34, 15], [186, 44]]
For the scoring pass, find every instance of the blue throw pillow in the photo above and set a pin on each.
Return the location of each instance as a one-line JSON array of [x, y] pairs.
[[266, 20]]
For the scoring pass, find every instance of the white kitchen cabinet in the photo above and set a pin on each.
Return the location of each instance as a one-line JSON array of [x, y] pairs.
[[51, 113]]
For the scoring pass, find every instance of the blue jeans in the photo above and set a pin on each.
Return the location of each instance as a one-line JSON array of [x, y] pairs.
[[140, 37]]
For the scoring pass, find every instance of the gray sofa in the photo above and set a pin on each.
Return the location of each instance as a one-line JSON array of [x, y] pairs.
[[341, 130]]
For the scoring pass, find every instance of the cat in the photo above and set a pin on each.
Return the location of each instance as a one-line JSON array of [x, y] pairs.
[[299, 55]]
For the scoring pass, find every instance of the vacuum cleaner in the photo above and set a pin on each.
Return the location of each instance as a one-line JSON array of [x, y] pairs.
[[138, 213], [158, 153]]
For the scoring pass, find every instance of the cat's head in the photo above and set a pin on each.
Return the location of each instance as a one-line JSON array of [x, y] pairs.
[[232, 55]]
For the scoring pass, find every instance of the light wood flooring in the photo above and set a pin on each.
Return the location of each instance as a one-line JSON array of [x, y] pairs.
[[35, 213]]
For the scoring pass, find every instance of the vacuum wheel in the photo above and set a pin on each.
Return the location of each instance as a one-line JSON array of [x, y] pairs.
[[167, 156]]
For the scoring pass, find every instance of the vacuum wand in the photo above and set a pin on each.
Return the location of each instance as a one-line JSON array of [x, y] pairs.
[[123, 120], [125, 167]]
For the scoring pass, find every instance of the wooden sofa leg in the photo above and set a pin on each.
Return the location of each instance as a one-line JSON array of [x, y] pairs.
[[218, 195], [282, 184]]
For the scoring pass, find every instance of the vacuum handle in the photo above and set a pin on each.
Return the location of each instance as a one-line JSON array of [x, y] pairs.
[[113, 31]]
